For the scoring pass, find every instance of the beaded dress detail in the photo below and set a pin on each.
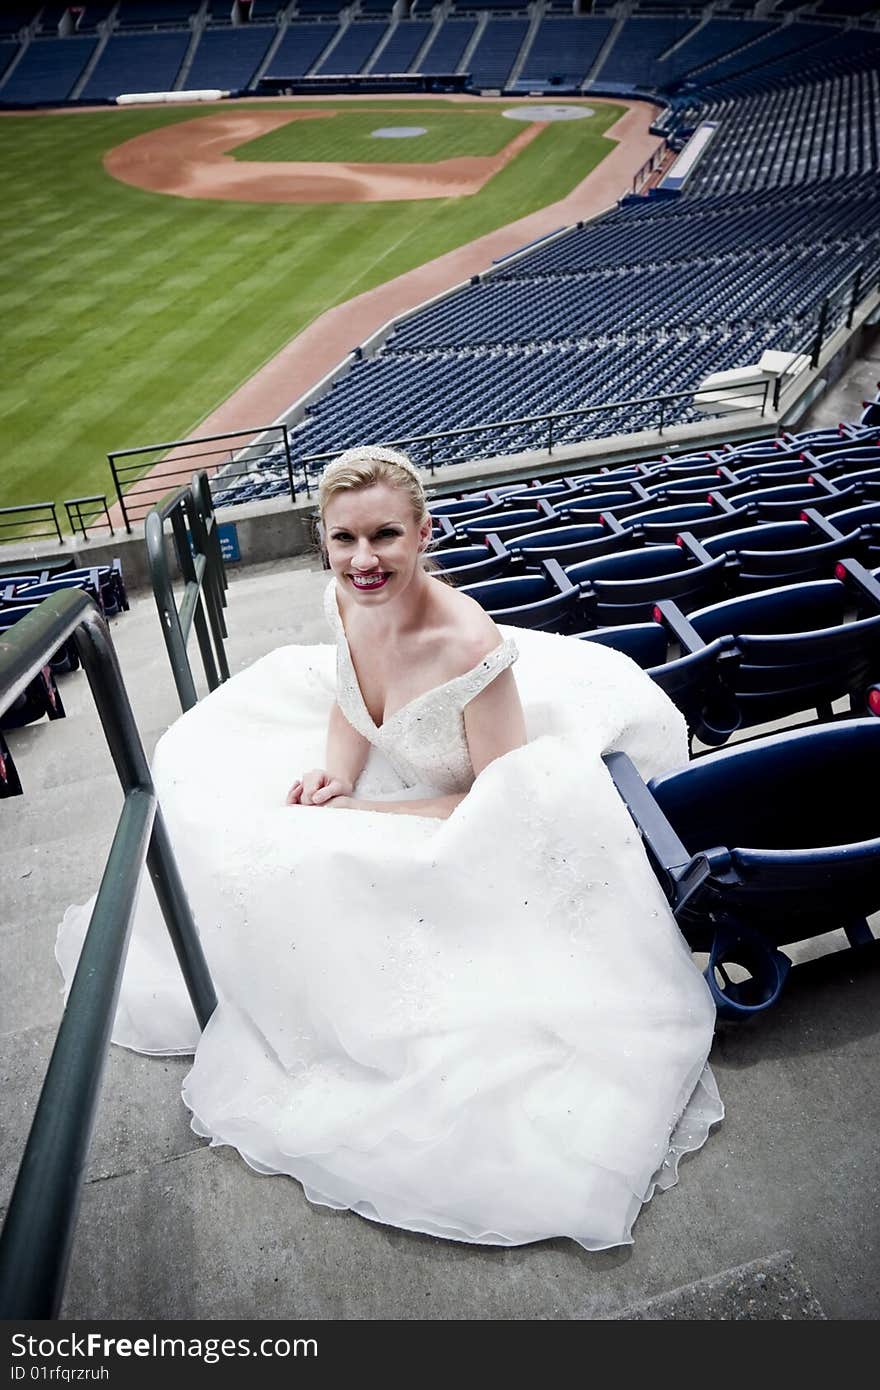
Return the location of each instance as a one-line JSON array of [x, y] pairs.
[[486, 1028], [425, 740]]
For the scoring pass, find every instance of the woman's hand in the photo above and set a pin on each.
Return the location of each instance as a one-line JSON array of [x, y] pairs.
[[318, 787]]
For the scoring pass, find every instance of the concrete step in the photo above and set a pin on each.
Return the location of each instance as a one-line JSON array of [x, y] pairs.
[[771, 1290]]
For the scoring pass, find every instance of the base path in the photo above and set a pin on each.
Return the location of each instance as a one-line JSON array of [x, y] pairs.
[[192, 160], [325, 342]]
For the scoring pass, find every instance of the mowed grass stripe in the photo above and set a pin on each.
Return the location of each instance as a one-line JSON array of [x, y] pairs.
[[347, 137], [131, 315]]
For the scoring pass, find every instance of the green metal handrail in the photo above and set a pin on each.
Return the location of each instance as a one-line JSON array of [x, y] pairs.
[[197, 547], [38, 1232]]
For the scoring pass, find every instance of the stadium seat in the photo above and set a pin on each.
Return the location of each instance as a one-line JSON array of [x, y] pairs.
[[800, 647], [624, 588], [695, 682], [568, 544], [468, 564], [762, 844], [546, 601]]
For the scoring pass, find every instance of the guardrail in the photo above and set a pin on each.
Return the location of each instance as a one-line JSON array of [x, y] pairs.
[[197, 547], [656, 410], [143, 477], [83, 511], [38, 1232], [15, 520]]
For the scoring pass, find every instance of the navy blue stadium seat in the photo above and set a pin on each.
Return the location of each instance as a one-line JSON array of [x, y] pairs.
[[546, 601], [695, 682], [763, 844], [568, 544], [759, 557], [800, 647], [468, 564], [625, 588]]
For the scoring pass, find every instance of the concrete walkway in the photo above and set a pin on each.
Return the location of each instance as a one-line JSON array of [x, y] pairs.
[[780, 1212]]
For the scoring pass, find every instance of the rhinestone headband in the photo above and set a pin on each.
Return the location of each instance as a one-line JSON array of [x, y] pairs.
[[368, 453]]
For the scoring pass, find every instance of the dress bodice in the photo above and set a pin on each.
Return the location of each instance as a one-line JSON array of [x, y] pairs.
[[424, 740]]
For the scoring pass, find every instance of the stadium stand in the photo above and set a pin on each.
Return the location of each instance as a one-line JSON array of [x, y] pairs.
[[563, 52], [448, 47], [300, 47], [496, 52], [148, 14], [648, 298], [228, 58], [354, 48], [129, 61], [402, 47], [48, 70], [640, 43]]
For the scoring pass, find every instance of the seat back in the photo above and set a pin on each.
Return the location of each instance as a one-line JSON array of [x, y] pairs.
[[797, 651]]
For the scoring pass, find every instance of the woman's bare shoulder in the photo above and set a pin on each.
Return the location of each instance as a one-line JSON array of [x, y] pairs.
[[467, 628]]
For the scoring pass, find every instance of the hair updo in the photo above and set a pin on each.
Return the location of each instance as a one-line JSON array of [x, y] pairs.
[[367, 465]]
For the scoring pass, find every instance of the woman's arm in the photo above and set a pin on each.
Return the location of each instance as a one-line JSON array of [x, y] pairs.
[[346, 756], [494, 724]]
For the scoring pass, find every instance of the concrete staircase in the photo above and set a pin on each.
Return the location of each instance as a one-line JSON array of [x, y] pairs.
[[171, 1228]]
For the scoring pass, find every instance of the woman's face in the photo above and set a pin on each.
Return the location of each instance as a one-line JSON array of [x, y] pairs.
[[373, 541]]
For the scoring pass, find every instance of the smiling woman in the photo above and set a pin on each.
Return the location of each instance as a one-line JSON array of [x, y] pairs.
[[476, 1019], [404, 635]]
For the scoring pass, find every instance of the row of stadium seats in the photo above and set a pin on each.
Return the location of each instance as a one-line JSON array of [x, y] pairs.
[[21, 594], [612, 572], [148, 45], [648, 298]]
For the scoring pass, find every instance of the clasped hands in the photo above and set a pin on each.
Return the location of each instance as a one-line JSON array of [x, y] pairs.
[[319, 788]]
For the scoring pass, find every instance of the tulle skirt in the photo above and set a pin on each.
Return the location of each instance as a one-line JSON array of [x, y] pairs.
[[487, 1028]]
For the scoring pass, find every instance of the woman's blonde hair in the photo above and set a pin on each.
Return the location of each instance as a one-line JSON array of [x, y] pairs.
[[364, 467], [368, 465]]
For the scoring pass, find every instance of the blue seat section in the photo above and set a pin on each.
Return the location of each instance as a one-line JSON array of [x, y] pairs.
[[496, 52], [229, 58], [760, 845], [354, 48], [719, 35], [632, 58], [447, 49], [299, 49], [820, 129], [564, 50], [546, 602], [144, 13], [400, 51], [694, 682], [319, 7], [130, 60], [799, 648], [48, 69], [777, 43], [624, 588]]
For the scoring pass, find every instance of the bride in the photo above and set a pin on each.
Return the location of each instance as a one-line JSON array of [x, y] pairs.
[[462, 1006]]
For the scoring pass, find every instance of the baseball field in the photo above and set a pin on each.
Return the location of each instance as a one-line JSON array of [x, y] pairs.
[[130, 314]]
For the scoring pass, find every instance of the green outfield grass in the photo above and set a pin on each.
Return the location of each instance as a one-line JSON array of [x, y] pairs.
[[129, 316], [348, 136]]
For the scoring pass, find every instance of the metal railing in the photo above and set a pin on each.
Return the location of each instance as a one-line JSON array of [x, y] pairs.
[[38, 1233], [14, 522], [83, 511], [197, 548], [143, 477], [654, 160], [656, 411]]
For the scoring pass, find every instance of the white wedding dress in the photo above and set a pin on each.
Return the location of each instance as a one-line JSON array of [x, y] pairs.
[[487, 1028]]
